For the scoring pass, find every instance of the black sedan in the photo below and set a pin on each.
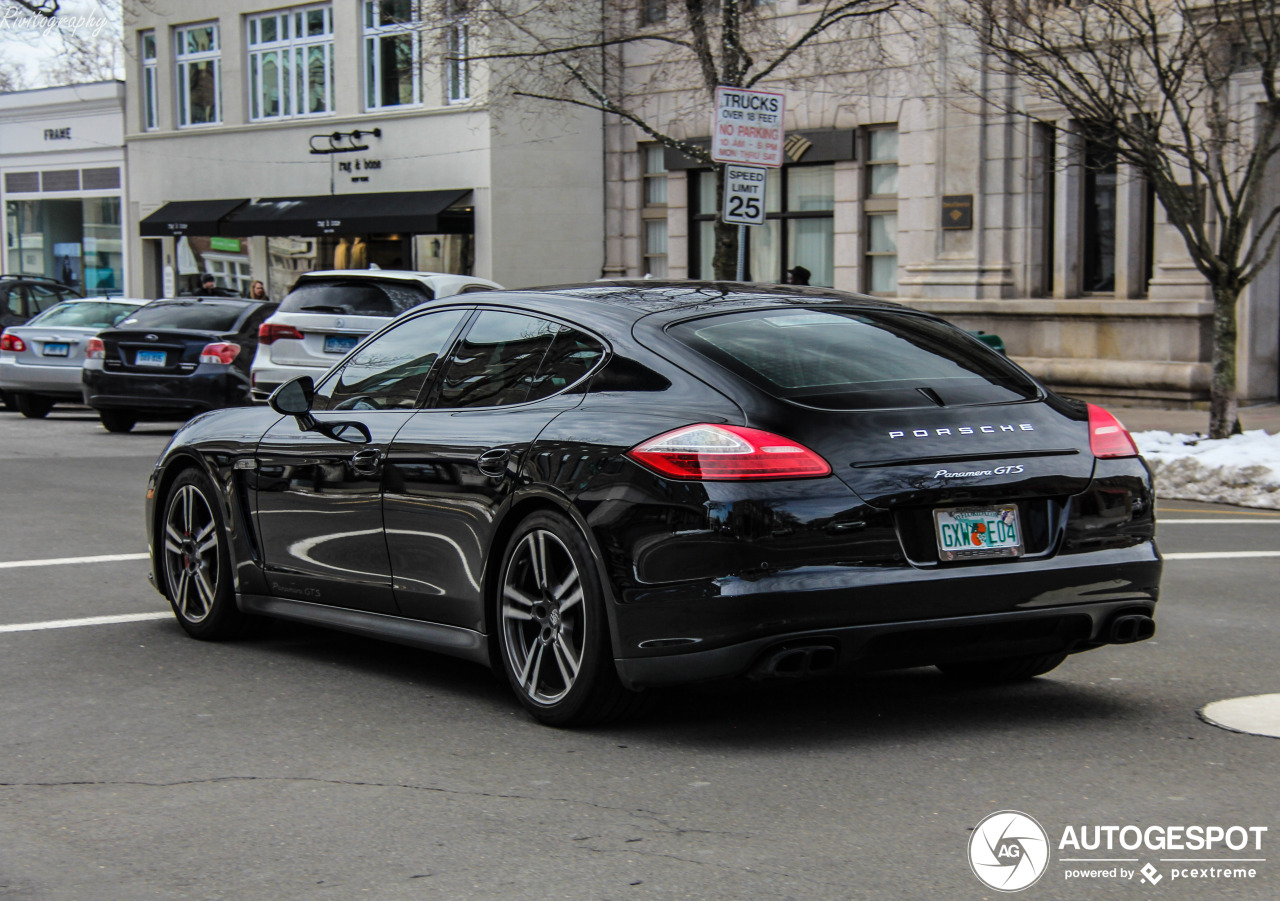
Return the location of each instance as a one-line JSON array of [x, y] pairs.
[[603, 488], [173, 359]]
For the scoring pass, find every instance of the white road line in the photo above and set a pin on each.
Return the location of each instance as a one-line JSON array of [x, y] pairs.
[[1220, 555], [1214, 522], [63, 561], [87, 621]]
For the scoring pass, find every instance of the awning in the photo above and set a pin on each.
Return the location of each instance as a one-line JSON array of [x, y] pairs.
[[187, 217], [414, 212]]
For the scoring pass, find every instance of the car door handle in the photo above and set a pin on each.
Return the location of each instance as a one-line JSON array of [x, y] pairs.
[[494, 462], [366, 462]]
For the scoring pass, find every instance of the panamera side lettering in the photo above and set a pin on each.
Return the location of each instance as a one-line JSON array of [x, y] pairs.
[[973, 473], [963, 430]]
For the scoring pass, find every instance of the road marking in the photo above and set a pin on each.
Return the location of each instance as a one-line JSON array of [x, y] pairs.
[[1218, 522], [87, 621], [63, 561], [1219, 555], [1160, 510]]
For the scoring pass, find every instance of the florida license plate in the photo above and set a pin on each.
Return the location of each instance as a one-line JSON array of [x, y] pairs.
[[967, 532], [57, 350], [338, 344], [149, 358]]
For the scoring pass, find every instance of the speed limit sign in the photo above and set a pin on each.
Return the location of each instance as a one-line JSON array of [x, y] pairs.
[[744, 194]]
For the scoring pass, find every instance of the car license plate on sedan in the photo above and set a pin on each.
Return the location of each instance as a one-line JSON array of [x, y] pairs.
[[149, 358], [967, 532], [338, 344], [57, 350]]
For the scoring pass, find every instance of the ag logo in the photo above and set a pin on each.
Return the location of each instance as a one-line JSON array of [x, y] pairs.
[[1008, 851]]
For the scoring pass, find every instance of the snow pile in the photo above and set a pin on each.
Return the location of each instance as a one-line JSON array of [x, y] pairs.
[[1243, 469]]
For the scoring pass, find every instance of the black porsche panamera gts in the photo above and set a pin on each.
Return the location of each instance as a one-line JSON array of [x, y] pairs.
[[604, 488]]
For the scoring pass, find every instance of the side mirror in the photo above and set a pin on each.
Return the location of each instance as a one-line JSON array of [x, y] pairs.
[[294, 397]]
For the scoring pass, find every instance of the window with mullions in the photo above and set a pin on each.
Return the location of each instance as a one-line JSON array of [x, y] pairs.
[[654, 212], [147, 40], [457, 66], [799, 227], [881, 207], [197, 54], [291, 63], [391, 54]]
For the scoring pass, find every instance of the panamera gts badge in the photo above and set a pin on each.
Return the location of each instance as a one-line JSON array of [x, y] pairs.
[[963, 430]]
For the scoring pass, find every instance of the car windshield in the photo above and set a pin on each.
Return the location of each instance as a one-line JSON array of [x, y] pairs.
[[196, 315], [354, 297], [847, 360], [90, 314]]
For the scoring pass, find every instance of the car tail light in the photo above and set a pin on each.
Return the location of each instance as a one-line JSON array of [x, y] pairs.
[[1107, 437], [12, 343], [94, 349], [707, 452], [221, 352], [270, 332]]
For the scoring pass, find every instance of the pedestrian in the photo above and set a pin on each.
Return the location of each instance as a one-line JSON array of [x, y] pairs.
[[209, 287], [257, 290], [798, 276]]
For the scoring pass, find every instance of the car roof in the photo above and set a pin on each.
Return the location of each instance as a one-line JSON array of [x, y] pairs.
[[403, 275], [108, 298]]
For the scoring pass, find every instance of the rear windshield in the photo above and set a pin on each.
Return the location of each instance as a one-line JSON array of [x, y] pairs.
[[354, 298], [196, 315], [857, 360], [93, 314]]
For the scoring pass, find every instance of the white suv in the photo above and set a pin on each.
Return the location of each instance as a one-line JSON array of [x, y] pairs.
[[327, 313]]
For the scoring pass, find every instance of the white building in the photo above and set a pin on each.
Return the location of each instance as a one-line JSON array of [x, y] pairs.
[[61, 181], [230, 100]]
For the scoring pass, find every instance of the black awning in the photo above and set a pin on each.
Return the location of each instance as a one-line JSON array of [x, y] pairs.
[[188, 217], [416, 212]]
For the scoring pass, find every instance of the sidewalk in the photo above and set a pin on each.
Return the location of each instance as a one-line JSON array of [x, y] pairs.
[[1146, 419]]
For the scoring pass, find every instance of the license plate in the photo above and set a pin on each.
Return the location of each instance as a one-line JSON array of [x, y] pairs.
[[149, 358], [339, 344], [967, 532], [57, 350]]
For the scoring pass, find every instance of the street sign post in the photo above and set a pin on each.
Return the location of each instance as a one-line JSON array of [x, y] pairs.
[[744, 194]]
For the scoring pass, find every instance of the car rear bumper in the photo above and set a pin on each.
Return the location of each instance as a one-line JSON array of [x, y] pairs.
[[34, 378], [883, 617], [209, 387], [269, 377]]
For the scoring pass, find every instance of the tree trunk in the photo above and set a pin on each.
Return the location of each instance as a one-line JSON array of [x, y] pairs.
[[724, 264], [1224, 418]]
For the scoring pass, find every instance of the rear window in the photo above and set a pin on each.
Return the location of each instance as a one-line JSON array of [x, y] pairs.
[[354, 298], [84, 315], [856, 360], [196, 315]]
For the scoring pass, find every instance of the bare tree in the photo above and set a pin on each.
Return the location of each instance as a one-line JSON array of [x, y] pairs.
[[12, 77], [1185, 92], [86, 57], [46, 8], [579, 54]]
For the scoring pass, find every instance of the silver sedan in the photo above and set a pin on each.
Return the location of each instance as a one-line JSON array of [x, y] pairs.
[[40, 361]]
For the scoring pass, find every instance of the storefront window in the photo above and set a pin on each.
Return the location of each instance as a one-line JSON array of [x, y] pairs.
[[77, 242], [798, 231]]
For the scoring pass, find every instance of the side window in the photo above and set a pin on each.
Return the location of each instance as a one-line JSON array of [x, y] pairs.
[[42, 298], [12, 301], [496, 363], [18, 301], [389, 372], [572, 355]]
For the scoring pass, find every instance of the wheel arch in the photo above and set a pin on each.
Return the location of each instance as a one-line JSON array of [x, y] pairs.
[[179, 462]]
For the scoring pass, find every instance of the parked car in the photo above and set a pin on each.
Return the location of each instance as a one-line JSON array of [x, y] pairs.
[[40, 361], [173, 359], [603, 488], [328, 312], [23, 296]]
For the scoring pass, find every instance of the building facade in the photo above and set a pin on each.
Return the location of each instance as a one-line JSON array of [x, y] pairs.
[[265, 140], [894, 185], [62, 178]]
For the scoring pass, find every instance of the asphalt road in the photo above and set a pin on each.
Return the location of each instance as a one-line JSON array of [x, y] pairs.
[[136, 763]]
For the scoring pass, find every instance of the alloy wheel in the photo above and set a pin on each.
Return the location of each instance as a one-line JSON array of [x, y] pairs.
[[543, 617], [191, 554]]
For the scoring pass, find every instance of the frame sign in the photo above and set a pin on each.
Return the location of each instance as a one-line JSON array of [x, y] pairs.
[[744, 194], [747, 127]]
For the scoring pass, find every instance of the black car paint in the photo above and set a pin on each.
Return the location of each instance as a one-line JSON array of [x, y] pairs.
[[701, 577], [185, 386]]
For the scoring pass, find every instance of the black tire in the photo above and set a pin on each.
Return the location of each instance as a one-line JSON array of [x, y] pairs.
[[192, 544], [117, 420], [6, 400], [1004, 669], [33, 406], [550, 615]]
